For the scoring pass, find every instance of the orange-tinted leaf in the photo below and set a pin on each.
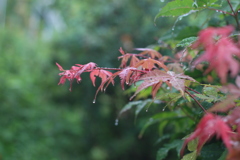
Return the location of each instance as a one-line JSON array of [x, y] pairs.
[[149, 64], [152, 53], [100, 73]]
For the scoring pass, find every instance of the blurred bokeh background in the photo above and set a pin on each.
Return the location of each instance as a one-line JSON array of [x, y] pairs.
[[41, 120]]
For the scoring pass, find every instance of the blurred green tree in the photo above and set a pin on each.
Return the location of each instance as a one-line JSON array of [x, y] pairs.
[[39, 120]]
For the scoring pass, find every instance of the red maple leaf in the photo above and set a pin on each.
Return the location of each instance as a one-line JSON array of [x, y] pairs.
[[219, 51], [149, 64], [125, 57], [156, 77], [151, 52], [209, 126], [100, 73], [74, 72]]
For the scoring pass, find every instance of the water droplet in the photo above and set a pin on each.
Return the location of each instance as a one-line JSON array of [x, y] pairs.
[[116, 122], [163, 109], [146, 110], [94, 101], [180, 18]]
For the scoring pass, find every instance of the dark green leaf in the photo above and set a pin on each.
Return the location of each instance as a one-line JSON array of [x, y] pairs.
[[224, 155], [177, 8], [212, 151], [206, 3], [163, 152]]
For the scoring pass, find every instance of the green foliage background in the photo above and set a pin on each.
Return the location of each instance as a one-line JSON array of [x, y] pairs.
[[41, 120]]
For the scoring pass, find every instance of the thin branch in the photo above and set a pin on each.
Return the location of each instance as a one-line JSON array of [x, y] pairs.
[[196, 101], [118, 69], [192, 90], [234, 14]]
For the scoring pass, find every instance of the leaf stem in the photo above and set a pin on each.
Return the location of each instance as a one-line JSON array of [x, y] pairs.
[[220, 11], [196, 101], [234, 14], [120, 69], [192, 90]]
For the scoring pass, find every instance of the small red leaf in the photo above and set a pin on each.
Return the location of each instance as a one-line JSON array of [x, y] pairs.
[[100, 73], [59, 67]]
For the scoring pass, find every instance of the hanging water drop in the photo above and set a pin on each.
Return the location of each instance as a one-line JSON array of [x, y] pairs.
[[146, 110], [94, 101], [163, 109], [116, 122]]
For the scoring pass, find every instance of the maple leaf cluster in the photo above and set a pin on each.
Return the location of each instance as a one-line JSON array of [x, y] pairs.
[[220, 51], [147, 66]]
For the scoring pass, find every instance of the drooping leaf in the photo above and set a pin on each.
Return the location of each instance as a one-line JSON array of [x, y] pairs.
[[75, 72], [162, 138], [163, 152], [139, 106], [100, 73], [161, 117], [125, 75]]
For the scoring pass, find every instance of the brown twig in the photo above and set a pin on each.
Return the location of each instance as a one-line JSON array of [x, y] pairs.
[[192, 90], [234, 14], [196, 101]]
